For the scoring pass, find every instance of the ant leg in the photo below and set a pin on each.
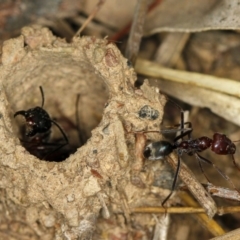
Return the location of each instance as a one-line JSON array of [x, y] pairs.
[[173, 130], [187, 132], [41, 90], [182, 112], [174, 181], [198, 157], [60, 129], [60, 145], [235, 164], [219, 171], [182, 122], [186, 123], [190, 127]]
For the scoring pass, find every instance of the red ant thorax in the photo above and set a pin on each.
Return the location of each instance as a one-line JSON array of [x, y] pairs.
[[204, 143], [194, 145]]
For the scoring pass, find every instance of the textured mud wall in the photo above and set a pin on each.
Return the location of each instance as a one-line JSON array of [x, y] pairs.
[[48, 200]]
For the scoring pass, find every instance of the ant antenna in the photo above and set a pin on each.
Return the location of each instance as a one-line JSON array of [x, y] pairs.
[[61, 145], [41, 90], [79, 128], [174, 180], [182, 122], [61, 130]]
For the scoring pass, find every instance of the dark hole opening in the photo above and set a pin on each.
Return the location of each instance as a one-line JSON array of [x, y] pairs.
[[48, 137]]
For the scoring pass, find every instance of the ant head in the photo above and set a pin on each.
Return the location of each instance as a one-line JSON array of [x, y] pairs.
[[219, 136], [37, 121], [222, 144]]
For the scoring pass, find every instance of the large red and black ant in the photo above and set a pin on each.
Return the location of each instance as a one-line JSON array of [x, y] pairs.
[[220, 144], [38, 130]]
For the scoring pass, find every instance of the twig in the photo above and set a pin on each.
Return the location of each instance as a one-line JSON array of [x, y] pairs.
[[228, 107], [161, 227], [223, 192], [184, 210], [136, 32], [152, 69], [210, 224], [124, 31], [90, 17], [202, 196], [169, 52]]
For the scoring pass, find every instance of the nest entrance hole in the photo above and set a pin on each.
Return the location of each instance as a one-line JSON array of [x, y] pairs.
[[76, 110]]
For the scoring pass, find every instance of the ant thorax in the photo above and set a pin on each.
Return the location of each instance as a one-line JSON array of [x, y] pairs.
[[191, 146]]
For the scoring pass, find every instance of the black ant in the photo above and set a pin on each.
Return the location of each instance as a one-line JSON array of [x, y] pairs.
[[38, 130], [220, 144]]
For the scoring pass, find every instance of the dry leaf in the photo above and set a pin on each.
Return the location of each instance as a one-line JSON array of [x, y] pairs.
[[193, 16]]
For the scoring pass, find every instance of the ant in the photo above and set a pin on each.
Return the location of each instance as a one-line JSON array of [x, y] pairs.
[[38, 130], [220, 144]]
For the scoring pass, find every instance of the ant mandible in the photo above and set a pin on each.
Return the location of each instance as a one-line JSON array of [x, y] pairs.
[[220, 144], [38, 127]]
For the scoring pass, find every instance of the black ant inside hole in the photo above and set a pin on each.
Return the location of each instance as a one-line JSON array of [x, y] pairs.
[[36, 134]]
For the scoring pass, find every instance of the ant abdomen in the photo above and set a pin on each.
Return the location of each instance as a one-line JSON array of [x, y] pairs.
[[158, 150]]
